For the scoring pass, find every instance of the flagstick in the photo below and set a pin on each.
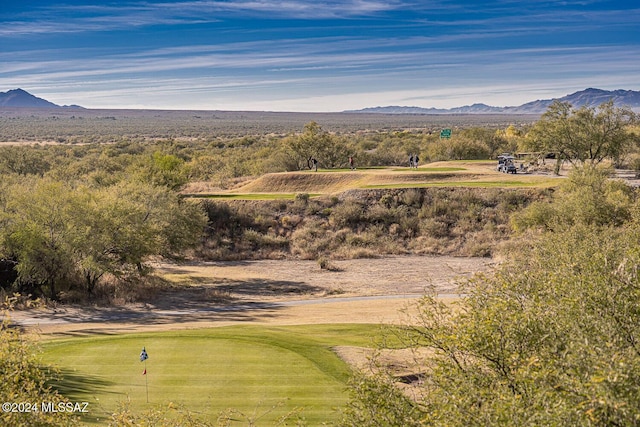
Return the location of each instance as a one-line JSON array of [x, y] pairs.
[[143, 358], [146, 379]]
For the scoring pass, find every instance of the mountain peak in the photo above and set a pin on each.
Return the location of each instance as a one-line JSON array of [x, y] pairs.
[[590, 97], [20, 98]]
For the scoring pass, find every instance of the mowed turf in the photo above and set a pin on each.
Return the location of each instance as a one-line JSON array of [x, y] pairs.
[[530, 183], [250, 369]]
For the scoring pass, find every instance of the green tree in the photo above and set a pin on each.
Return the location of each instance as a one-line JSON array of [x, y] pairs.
[[57, 231], [162, 169], [23, 160], [550, 339], [129, 222], [457, 148], [494, 141], [587, 197], [314, 142], [38, 228], [584, 135]]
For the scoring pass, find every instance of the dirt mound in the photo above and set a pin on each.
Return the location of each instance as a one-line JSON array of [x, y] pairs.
[[302, 182]]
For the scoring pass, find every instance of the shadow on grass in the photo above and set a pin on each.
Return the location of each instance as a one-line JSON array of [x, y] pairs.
[[80, 388], [122, 319], [77, 387], [222, 300]]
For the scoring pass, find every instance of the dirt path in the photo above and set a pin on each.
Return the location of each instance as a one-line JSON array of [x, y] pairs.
[[273, 292]]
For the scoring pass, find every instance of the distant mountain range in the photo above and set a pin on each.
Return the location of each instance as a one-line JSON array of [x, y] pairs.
[[588, 97], [22, 99]]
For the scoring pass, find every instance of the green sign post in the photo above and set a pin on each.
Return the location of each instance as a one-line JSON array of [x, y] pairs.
[[445, 133]]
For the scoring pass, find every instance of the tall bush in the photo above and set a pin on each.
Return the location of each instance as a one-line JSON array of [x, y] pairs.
[[550, 339]]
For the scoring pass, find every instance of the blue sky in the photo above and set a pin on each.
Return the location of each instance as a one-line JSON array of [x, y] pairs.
[[315, 55]]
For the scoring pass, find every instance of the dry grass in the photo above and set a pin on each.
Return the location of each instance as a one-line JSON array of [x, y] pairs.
[[303, 182], [455, 173], [365, 224]]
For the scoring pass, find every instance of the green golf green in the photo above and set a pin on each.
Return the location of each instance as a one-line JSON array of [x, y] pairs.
[[250, 369]]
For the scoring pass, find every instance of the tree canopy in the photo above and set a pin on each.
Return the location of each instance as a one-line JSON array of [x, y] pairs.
[[551, 339], [60, 233], [587, 134]]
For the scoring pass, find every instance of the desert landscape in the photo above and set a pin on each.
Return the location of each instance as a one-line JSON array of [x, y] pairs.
[[348, 213], [260, 288]]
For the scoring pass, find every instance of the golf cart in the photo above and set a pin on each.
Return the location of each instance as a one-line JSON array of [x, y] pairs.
[[505, 164]]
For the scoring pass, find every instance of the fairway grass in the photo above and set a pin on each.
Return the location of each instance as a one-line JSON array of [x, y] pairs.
[[258, 371], [428, 169], [249, 196], [471, 184]]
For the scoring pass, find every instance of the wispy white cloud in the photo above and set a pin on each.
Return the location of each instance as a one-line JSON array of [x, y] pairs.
[[315, 55], [290, 8], [105, 17], [282, 75]]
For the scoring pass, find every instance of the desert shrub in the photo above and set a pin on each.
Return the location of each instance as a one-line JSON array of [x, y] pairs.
[[264, 241], [224, 220], [380, 214], [537, 215], [302, 198], [479, 243], [409, 225], [368, 238], [549, 339], [325, 264], [349, 213], [512, 201], [412, 197], [25, 380], [440, 205], [204, 167], [388, 200], [312, 239], [436, 221], [434, 227], [457, 149], [587, 197], [376, 401]]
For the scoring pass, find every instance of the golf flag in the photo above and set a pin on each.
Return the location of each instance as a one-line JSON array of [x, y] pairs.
[[143, 356]]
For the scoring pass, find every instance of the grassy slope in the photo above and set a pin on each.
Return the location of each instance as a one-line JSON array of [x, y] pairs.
[[441, 174], [247, 368]]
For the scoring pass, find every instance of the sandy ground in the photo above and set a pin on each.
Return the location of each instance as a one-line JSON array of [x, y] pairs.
[[269, 292]]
